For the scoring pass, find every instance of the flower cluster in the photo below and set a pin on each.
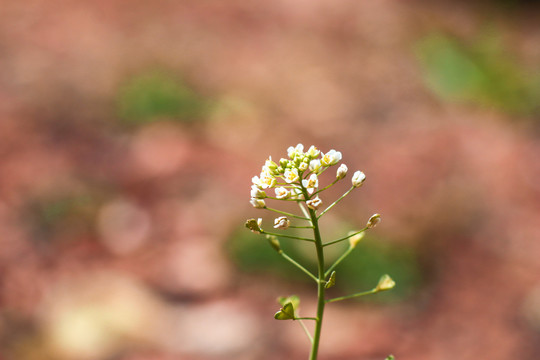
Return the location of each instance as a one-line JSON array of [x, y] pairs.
[[297, 178]]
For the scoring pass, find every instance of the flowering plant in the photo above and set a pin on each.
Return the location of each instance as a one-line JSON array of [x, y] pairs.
[[296, 179]]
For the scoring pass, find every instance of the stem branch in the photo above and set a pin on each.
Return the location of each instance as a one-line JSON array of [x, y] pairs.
[[292, 261], [338, 200], [372, 291]]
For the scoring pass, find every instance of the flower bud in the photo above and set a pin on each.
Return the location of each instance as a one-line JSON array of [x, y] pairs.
[[385, 283], [355, 239], [373, 221], [271, 165], [282, 223], [258, 203], [358, 178], [314, 203], [341, 172], [257, 193], [283, 162], [274, 242], [303, 166], [254, 225]]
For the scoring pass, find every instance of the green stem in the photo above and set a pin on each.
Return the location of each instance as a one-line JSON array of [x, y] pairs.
[[292, 261], [305, 330], [372, 291], [345, 238], [287, 236], [326, 187], [338, 200], [286, 213], [304, 211], [320, 283]]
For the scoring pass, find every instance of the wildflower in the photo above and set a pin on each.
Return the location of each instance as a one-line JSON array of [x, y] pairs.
[[264, 180], [303, 166], [311, 183], [315, 165], [373, 221], [267, 180], [313, 152], [254, 225], [282, 193], [257, 193], [355, 239], [385, 283], [282, 223], [314, 203], [292, 152], [358, 178], [258, 203], [291, 175], [341, 172], [331, 158]]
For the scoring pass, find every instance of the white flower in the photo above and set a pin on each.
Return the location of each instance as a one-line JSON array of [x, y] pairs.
[[331, 158], [373, 221], [358, 178], [303, 166], [315, 165], [282, 193], [258, 203], [313, 152], [266, 180], [311, 183], [293, 151], [282, 223], [341, 172], [314, 203], [256, 181], [291, 175], [257, 193]]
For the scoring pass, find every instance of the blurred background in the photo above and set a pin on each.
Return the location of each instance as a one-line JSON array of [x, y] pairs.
[[130, 130]]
